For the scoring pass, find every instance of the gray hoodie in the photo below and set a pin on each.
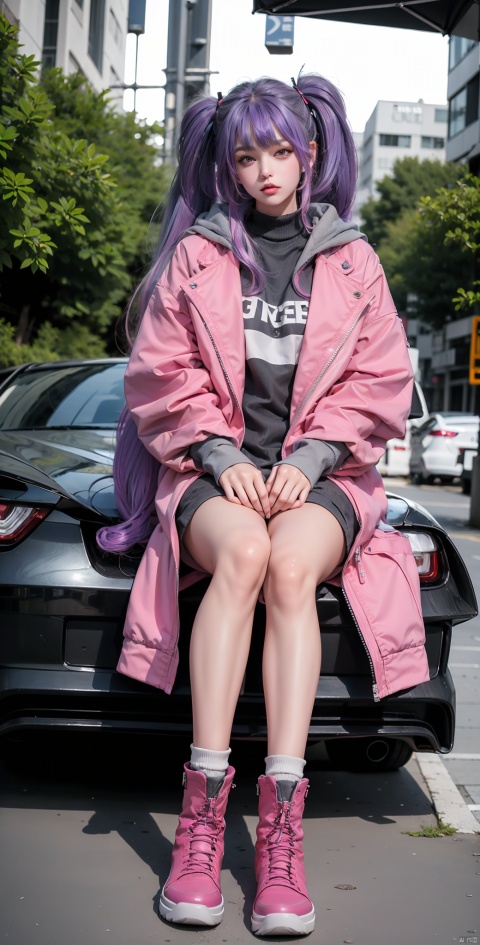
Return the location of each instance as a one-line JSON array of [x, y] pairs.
[[313, 457]]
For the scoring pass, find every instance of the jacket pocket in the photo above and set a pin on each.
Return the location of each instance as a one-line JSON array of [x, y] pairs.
[[390, 591]]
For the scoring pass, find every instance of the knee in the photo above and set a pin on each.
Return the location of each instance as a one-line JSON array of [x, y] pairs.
[[289, 580], [243, 559]]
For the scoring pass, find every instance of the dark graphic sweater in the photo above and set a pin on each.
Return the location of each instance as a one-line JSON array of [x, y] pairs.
[[274, 324]]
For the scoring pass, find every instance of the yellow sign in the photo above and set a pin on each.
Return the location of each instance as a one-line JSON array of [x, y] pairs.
[[475, 351]]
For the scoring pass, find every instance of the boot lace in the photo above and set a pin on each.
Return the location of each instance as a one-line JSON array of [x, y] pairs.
[[203, 836], [280, 848]]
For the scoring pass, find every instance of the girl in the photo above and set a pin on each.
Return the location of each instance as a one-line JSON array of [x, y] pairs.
[[268, 371]]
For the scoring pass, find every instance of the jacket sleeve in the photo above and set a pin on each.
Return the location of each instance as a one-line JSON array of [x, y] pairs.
[[316, 458], [370, 401], [167, 387], [216, 454]]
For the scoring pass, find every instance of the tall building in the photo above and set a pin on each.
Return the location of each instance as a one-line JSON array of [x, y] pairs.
[[86, 36], [398, 130], [463, 143]]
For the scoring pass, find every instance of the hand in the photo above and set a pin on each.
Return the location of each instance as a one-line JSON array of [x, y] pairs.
[[244, 485], [287, 487]]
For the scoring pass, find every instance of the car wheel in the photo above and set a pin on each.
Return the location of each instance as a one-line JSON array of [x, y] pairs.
[[368, 754]]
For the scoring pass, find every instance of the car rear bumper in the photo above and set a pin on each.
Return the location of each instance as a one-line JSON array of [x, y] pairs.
[[103, 699]]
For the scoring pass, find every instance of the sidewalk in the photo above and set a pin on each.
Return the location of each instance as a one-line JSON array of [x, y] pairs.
[[86, 860]]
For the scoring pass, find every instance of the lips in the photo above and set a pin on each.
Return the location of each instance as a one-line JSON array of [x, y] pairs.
[[270, 189]]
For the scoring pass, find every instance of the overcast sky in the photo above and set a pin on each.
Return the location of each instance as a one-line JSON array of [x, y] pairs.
[[366, 63]]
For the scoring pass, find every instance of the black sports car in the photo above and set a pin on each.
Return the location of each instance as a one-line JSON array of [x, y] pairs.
[[63, 599]]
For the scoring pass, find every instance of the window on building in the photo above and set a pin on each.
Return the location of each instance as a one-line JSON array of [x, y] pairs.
[[429, 142], [396, 141], [50, 35], [115, 29], [458, 48], [95, 32], [411, 113], [441, 115], [74, 65], [464, 108], [385, 164]]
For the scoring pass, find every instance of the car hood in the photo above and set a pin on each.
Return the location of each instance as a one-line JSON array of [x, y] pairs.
[[75, 463]]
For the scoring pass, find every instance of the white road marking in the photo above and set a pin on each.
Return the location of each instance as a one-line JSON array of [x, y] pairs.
[[460, 756], [463, 536], [448, 505], [449, 804], [458, 647], [464, 665], [473, 806]]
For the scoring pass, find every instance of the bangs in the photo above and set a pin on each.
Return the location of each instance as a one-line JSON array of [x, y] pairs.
[[263, 124]]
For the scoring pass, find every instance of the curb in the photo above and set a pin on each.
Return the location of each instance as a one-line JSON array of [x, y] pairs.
[[448, 803]]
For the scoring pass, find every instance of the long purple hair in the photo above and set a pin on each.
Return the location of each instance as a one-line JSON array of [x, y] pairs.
[[252, 113]]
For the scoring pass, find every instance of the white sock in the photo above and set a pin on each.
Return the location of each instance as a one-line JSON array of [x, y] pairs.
[[284, 767], [213, 764]]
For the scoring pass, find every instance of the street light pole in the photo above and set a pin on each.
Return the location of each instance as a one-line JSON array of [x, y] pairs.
[[188, 64]]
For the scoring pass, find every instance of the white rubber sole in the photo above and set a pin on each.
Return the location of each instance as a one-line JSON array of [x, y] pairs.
[[190, 913], [283, 924]]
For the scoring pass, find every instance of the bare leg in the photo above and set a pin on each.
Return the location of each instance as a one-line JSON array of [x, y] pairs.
[[230, 542], [307, 544]]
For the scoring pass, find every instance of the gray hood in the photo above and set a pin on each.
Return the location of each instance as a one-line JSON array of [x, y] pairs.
[[329, 230]]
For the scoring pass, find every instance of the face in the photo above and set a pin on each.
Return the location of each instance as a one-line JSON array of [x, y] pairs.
[[271, 175]]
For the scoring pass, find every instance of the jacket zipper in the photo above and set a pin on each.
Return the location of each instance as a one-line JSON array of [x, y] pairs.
[[227, 378], [235, 398], [361, 578], [326, 366], [361, 573]]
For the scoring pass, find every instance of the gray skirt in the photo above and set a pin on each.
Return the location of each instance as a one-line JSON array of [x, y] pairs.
[[325, 493]]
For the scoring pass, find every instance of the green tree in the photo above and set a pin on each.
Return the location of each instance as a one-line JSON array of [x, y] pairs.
[[411, 180], [74, 232], [454, 215], [418, 261]]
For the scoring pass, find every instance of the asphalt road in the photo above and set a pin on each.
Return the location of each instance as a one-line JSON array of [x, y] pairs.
[[452, 510], [86, 827], [86, 832]]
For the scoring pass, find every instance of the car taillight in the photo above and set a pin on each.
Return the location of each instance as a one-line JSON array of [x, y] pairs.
[[443, 433], [426, 554], [16, 521]]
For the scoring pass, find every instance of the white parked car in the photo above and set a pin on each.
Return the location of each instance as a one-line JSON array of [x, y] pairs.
[[396, 459], [438, 445]]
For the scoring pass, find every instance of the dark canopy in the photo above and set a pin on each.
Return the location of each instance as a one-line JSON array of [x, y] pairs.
[[457, 17]]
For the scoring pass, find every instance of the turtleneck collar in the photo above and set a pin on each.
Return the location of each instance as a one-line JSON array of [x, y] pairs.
[[275, 228]]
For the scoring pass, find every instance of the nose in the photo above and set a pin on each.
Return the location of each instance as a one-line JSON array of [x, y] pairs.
[[264, 169]]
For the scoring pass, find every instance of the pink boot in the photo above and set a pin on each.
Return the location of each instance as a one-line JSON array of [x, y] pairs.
[[282, 906], [192, 893]]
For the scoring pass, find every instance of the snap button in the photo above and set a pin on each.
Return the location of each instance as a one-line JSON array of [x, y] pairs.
[[345, 265], [357, 295], [193, 285]]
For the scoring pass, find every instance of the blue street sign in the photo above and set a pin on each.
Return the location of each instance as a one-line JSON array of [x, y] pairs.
[[279, 34]]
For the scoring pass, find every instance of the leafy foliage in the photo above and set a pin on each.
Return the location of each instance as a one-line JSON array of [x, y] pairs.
[[411, 180], [420, 245], [455, 215], [78, 185]]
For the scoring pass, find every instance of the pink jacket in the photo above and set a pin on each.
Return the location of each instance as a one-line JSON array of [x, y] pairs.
[[353, 384]]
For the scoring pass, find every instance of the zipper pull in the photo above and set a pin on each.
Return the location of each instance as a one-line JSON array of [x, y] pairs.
[[376, 697], [361, 572]]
